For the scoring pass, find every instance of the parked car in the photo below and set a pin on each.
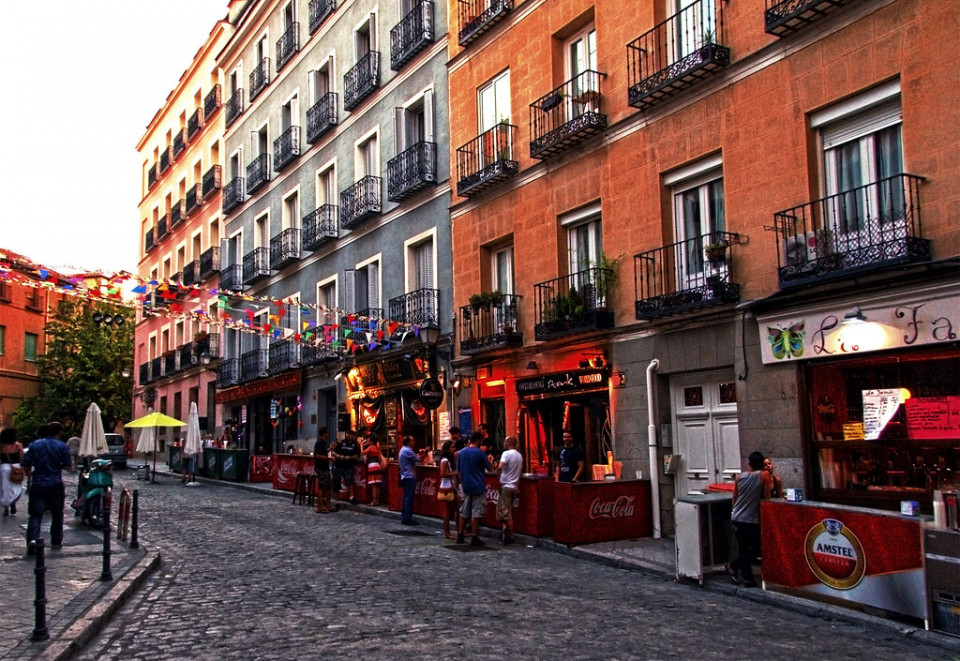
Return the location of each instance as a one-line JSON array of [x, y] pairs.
[[116, 450]]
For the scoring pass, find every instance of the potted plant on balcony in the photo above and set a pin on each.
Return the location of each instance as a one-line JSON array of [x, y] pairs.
[[552, 101], [716, 252]]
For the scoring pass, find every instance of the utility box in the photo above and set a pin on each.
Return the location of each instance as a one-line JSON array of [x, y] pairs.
[[941, 549], [704, 533]]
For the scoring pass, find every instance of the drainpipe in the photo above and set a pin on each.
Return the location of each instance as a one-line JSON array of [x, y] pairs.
[[652, 446]]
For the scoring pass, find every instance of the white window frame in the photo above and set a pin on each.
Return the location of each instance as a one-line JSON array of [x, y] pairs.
[[330, 316], [494, 84], [330, 64], [369, 22], [330, 167], [409, 258], [423, 99], [295, 221], [259, 229], [508, 251], [294, 101], [358, 154], [691, 264]]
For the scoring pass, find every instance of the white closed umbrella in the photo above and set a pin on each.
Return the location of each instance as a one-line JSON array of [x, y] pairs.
[[192, 445], [93, 442]]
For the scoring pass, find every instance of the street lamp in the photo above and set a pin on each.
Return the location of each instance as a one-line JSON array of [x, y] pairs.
[[429, 334], [126, 372]]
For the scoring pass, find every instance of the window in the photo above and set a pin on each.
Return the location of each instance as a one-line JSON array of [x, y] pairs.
[[31, 297], [236, 164], [361, 288], [321, 80], [260, 140], [289, 16], [584, 238], [494, 102], [327, 301], [695, 24], [698, 213], [421, 266], [30, 347], [327, 186], [291, 211], [3, 340], [367, 162], [5, 290], [290, 114], [502, 269], [414, 122], [262, 231], [365, 38], [580, 54]]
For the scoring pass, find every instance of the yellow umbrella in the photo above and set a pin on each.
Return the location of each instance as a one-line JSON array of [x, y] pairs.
[[153, 420]]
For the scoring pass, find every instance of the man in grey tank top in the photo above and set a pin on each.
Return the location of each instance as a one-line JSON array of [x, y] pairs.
[[748, 490]]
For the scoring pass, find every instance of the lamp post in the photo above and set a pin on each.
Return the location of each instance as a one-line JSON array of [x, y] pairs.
[[429, 334]]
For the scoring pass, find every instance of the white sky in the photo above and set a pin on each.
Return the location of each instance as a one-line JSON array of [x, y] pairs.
[[80, 83]]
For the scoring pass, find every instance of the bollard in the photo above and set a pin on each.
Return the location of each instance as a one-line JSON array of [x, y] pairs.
[[40, 602], [134, 544], [123, 515], [106, 574]]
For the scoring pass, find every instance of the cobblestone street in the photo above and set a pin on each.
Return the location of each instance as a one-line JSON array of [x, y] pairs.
[[248, 576]]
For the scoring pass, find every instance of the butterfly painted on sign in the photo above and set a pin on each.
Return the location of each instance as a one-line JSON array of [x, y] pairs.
[[786, 342]]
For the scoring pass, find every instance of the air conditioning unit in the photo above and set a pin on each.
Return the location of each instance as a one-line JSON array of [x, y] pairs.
[[803, 249]]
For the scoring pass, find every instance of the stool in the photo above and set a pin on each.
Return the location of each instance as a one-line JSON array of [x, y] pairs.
[[305, 489]]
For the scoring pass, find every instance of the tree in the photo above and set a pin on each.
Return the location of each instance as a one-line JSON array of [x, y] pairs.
[[83, 363]]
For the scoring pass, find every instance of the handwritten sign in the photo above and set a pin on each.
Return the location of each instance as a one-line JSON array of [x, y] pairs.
[[853, 431], [933, 417], [879, 407]]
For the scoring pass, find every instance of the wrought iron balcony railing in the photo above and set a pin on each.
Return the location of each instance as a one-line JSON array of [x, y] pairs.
[[254, 365], [258, 172], [286, 148], [687, 275], [228, 372], [322, 116], [233, 194], [320, 10], [148, 242], [259, 78], [567, 115], [211, 181], [412, 34], [312, 354], [191, 273], [412, 171], [486, 161], [490, 325], [677, 53], [211, 102], [178, 212], [782, 17], [162, 226], [234, 107], [573, 303], [209, 262], [256, 265], [231, 278], [209, 344], [152, 175], [179, 142], [156, 368], [863, 229], [478, 16], [285, 248], [185, 356], [194, 198], [166, 158], [171, 363], [418, 307], [284, 355], [287, 45], [195, 123], [143, 375], [360, 202], [320, 227], [362, 80]]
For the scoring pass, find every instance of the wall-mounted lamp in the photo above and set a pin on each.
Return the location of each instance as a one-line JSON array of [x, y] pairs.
[[595, 360], [126, 372], [532, 365], [856, 334], [855, 316]]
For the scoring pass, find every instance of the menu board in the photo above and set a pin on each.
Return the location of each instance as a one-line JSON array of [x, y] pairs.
[[933, 417], [879, 407]]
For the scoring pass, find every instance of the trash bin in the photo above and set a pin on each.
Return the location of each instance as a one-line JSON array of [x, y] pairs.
[[143, 472], [211, 463], [233, 465]]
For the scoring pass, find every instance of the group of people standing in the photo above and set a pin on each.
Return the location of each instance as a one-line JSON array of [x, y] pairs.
[[345, 456]]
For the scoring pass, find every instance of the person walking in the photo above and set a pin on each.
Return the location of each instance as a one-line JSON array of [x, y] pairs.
[[46, 458], [408, 460], [448, 492], [569, 460], [11, 470], [321, 466], [472, 465], [748, 490], [510, 468]]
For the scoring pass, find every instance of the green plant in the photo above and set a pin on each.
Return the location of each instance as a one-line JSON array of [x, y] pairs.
[[716, 252], [607, 276]]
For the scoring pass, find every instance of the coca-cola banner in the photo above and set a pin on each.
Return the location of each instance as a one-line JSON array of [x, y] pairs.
[[371, 412], [414, 411], [589, 512], [287, 467]]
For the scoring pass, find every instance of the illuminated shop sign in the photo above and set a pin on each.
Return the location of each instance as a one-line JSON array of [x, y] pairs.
[[563, 382]]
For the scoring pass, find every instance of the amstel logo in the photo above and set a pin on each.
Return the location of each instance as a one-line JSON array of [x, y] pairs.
[[835, 555]]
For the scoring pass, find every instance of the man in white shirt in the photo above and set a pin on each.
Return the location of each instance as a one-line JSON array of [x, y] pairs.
[[510, 467]]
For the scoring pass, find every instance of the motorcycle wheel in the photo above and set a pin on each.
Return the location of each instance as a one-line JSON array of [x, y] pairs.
[[96, 514]]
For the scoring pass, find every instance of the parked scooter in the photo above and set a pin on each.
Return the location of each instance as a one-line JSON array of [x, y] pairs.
[[95, 493]]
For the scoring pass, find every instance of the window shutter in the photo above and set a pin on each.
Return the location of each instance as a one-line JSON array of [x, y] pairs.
[[857, 126], [373, 285], [373, 31], [401, 128], [428, 116], [349, 291]]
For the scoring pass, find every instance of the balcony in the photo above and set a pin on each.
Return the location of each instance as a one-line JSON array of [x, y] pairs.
[[490, 325], [258, 172], [287, 45], [478, 16], [179, 142], [412, 171], [567, 115], [284, 355], [205, 343], [688, 275], [228, 372], [162, 226], [178, 212], [362, 80], [209, 262], [259, 78], [411, 35], [320, 10], [185, 356], [285, 248], [233, 194], [320, 227], [144, 374], [783, 17], [171, 363], [256, 265], [156, 368], [166, 158], [321, 117], [360, 202], [676, 54], [254, 365], [148, 243], [211, 102], [191, 273], [231, 278], [286, 148], [864, 229], [418, 307], [574, 303], [152, 174], [234, 107], [195, 123], [194, 199], [486, 161], [211, 181]]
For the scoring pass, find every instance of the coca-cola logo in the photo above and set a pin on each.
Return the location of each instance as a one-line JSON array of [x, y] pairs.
[[621, 508], [286, 472], [427, 487], [493, 495]]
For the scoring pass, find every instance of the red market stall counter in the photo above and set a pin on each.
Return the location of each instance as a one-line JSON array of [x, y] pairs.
[[839, 553], [261, 468], [287, 466], [588, 512]]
